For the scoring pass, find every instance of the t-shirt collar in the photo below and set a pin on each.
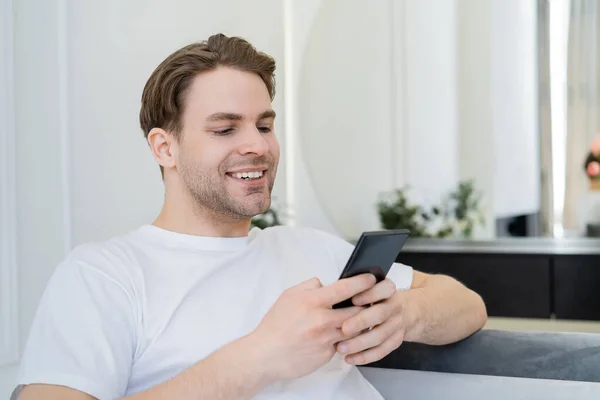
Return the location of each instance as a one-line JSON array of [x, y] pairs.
[[176, 239]]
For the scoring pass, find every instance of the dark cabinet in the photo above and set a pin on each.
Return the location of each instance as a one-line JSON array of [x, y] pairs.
[[577, 287], [511, 285]]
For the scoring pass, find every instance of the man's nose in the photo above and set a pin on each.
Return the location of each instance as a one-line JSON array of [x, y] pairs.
[[254, 142]]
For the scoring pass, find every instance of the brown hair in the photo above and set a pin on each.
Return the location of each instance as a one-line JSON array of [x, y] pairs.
[[163, 98]]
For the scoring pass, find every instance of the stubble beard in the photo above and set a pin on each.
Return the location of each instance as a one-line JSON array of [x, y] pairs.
[[209, 192]]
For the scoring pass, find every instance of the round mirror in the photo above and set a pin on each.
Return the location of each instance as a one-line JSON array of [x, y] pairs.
[[345, 112]]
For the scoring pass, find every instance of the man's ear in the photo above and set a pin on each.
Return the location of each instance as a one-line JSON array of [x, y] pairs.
[[163, 146]]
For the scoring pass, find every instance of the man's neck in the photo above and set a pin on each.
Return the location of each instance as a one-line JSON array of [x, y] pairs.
[[182, 216]]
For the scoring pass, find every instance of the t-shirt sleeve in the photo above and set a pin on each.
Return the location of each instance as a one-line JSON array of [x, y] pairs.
[[83, 334], [400, 274]]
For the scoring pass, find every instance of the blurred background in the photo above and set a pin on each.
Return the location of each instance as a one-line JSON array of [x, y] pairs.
[[470, 119]]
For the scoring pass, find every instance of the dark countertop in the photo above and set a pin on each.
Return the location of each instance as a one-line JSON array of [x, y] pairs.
[[528, 245], [532, 245]]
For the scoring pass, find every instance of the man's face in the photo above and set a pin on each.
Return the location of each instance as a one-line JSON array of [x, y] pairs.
[[227, 153]]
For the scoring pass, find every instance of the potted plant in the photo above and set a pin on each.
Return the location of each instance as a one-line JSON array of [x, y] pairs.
[[456, 216]]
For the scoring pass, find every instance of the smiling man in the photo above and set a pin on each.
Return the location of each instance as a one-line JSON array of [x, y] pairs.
[[196, 306]]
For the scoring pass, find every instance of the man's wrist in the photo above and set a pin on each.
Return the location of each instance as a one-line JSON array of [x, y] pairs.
[[254, 358], [410, 302]]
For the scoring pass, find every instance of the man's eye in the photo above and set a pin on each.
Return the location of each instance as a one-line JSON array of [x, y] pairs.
[[264, 129], [224, 132]]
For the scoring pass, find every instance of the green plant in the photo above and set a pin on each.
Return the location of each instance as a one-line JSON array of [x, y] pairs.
[[266, 219], [465, 203], [457, 215], [396, 211]]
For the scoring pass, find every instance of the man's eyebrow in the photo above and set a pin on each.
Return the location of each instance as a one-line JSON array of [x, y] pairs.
[[224, 116], [267, 114]]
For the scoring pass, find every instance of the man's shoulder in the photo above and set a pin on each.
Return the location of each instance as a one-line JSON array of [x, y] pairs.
[[111, 249], [112, 258]]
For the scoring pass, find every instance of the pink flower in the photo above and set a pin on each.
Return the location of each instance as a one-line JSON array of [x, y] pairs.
[[596, 145], [593, 169]]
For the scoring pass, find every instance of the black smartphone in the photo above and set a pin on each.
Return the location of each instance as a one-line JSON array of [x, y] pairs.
[[374, 253]]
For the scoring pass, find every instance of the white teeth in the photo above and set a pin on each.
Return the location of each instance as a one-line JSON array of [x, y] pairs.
[[248, 175]]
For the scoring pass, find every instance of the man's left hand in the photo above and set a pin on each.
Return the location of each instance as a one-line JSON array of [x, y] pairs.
[[377, 330]]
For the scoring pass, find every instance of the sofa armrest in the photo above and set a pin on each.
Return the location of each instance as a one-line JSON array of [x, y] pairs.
[[413, 385], [542, 355]]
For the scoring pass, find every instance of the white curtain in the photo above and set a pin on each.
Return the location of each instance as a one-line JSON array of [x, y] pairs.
[[583, 103]]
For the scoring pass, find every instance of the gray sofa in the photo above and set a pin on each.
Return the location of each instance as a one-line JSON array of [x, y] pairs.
[[493, 365]]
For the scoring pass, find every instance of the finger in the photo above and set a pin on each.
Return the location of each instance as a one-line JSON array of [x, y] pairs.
[[370, 338], [381, 291], [339, 316], [337, 336], [367, 318], [312, 283], [340, 336], [346, 288], [377, 353]]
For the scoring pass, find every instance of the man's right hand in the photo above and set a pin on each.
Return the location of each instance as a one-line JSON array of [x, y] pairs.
[[298, 334]]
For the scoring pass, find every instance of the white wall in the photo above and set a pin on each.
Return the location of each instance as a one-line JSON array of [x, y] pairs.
[[514, 76], [41, 231], [83, 169], [8, 268], [429, 89], [475, 124]]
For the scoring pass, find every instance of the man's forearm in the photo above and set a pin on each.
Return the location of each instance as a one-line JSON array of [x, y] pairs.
[[441, 311], [233, 372]]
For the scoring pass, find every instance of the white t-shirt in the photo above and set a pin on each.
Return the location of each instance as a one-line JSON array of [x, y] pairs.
[[122, 316]]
